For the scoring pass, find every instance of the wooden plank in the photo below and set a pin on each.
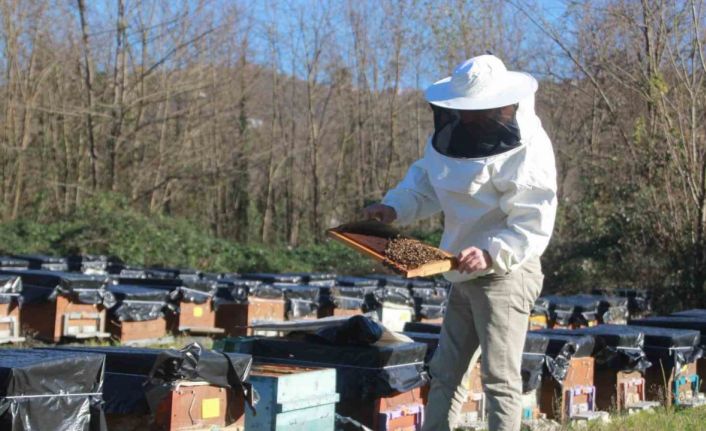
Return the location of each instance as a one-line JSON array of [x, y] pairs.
[[358, 246], [374, 247], [431, 268]]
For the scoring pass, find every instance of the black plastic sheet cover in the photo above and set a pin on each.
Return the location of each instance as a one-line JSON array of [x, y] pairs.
[[7, 262], [157, 272], [668, 337], [126, 375], [394, 295], [541, 307], [87, 263], [536, 342], [7, 298], [267, 291], [429, 302], [308, 277], [49, 390], [562, 346], [146, 374], [298, 308], [354, 297], [563, 341], [357, 281], [198, 291], [271, 278], [389, 280], [43, 285], [429, 295], [120, 269], [443, 283], [639, 300], [194, 363], [694, 312], [430, 311], [421, 283], [531, 370], [579, 309], [10, 288], [670, 346], [431, 328], [233, 290], [352, 291], [362, 372], [428, 338], [322, 283], [611, 309], [356, 330], [348, 303], [44, 262], [299, 291], [619, 347], [180, 273], [345, 423], [302, 300], [169, 284], [697, 323], [124, 394], [184, 274], [138, 303]]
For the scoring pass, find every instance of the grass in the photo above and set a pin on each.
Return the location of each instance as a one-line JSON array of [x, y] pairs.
[[660, 419]]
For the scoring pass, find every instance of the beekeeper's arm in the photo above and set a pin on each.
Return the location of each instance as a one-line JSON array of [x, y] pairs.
[[413, 198], [528, 188]]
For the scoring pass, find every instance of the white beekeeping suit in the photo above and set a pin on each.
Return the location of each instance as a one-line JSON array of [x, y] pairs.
[[503, 203]]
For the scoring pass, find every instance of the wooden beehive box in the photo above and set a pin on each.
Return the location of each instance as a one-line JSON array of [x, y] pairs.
[[620, 390], [129, 332], [678, 387], [196, 405], [401, 411], [64, 318], [374, 246], [10, 322], [237, 319], [194, 318], [293, 398], [577, 388]]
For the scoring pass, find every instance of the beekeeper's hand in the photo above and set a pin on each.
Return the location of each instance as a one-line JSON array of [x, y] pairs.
[[473, 259], [380, 212]]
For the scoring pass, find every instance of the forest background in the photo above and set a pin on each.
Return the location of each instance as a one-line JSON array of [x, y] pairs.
[[228, 135]]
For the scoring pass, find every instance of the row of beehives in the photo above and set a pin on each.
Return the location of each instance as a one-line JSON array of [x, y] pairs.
[[583, 373], [135, 305], [379, 380], [583, 310], [129, 389], [568, 374], [339, 374]]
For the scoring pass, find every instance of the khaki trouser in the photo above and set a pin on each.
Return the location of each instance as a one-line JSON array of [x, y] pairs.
[[492, 313]]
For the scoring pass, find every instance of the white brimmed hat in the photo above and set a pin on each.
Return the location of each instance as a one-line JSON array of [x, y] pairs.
[[481, 82]]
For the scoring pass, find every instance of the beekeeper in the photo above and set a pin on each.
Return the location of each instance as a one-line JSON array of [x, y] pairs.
[[489, 167]]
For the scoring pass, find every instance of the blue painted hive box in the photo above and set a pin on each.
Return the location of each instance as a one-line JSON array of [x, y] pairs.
[[293, 398]]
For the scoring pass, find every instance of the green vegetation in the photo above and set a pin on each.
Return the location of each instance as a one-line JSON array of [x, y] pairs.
[[107, 225], [658, 420]]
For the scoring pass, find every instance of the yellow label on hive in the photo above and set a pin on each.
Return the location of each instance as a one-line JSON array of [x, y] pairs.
[[198, 311], [210, 408]]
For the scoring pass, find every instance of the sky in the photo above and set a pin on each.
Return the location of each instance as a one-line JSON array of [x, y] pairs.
[[278, 13]]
